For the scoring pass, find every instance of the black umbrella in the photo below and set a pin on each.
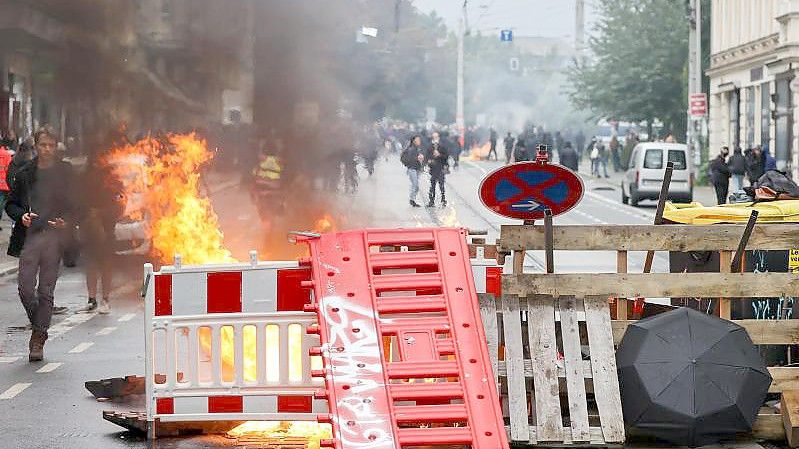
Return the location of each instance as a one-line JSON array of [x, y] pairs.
[[690, 378]]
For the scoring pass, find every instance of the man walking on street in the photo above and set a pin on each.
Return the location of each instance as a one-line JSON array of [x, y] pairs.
[[412, 159], [438, 160], [40, 206], [492, 139], [508, 147], [720, 175]]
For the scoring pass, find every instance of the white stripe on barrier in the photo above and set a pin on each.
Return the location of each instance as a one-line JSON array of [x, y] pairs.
[[189, 293], [259, 291]]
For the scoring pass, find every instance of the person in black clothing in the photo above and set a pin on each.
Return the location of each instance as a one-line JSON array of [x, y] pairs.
[[509, 140], [40, 205], [755, 164], [720, 175], [492, 139], [568, 157], [579, 141], [103, 208], [520, 152], [21, 157], [737, 166], [412, 158], [438, 161]]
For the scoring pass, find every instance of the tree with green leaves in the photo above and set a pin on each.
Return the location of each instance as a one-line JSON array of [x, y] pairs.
[[636, 66]]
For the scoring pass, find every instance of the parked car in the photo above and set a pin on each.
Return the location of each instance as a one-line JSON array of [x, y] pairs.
[[644, 177]]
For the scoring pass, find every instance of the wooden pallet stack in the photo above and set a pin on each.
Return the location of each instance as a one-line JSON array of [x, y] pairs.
[[554, 339]]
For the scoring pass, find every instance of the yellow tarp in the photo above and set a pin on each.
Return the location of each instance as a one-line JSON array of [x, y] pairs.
[[783, 211]]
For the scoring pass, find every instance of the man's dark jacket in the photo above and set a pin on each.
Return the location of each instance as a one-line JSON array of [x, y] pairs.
[[438, 164], [19, 199], [568, 158], [737, 163], [719, 171]]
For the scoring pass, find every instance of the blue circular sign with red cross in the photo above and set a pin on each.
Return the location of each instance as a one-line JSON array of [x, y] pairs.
[[526, 189]]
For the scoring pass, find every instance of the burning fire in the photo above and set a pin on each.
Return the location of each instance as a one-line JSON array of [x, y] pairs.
[[479, 153], [180, 218], [325, 224], [284, 432], [161, 181]]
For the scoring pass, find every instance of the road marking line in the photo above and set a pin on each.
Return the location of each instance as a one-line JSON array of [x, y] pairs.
[[81, 347], [126, 317], [50, 367], [106, 330], [485, 172], [14, 390], [8, 359]]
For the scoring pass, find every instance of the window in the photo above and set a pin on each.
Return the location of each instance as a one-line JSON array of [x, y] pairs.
[[677, 157], [653, 159]]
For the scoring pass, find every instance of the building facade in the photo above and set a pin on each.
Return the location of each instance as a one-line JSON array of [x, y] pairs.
[[85, 65], [754, 91]]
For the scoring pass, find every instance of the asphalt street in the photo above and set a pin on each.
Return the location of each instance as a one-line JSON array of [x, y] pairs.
[[45, 405]]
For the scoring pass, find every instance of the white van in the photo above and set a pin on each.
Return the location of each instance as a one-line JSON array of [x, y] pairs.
[[644, 176]]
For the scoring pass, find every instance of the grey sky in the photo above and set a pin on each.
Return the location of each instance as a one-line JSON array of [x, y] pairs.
[[550, 18]]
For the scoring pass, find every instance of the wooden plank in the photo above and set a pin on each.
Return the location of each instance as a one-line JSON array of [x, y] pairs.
[[518, 262], [650, 237], [544, 352], [595, 437], [785, 378], [603, 366], [725, 260], [528, 369], [621, 267], [762, 332], [654, 285], [790, 416], [488, 312], [517, 391], [573, 364], [768, 426]]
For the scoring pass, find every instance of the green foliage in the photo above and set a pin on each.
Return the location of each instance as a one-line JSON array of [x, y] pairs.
[[639, 51]]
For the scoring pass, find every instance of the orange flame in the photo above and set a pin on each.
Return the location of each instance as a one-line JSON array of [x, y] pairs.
[[479, 153], [181, 219], [161, 181], [325, 224]]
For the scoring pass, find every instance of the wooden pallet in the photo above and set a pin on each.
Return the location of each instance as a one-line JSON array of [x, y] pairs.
[[622, 285], [541, 364]]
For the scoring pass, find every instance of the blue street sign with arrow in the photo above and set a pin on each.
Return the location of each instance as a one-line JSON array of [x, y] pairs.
[[506, 35]]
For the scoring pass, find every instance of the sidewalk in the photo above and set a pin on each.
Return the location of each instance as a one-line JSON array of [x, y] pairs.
[[702, 194]]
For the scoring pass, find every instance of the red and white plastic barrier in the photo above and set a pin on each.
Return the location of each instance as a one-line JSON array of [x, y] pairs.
[[487, 274], [201, 320]]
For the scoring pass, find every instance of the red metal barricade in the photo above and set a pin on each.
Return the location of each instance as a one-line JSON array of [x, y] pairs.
[[414, 287]]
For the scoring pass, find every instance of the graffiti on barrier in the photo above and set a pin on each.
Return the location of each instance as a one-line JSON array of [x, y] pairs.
[[353, 350], [768, 308]]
